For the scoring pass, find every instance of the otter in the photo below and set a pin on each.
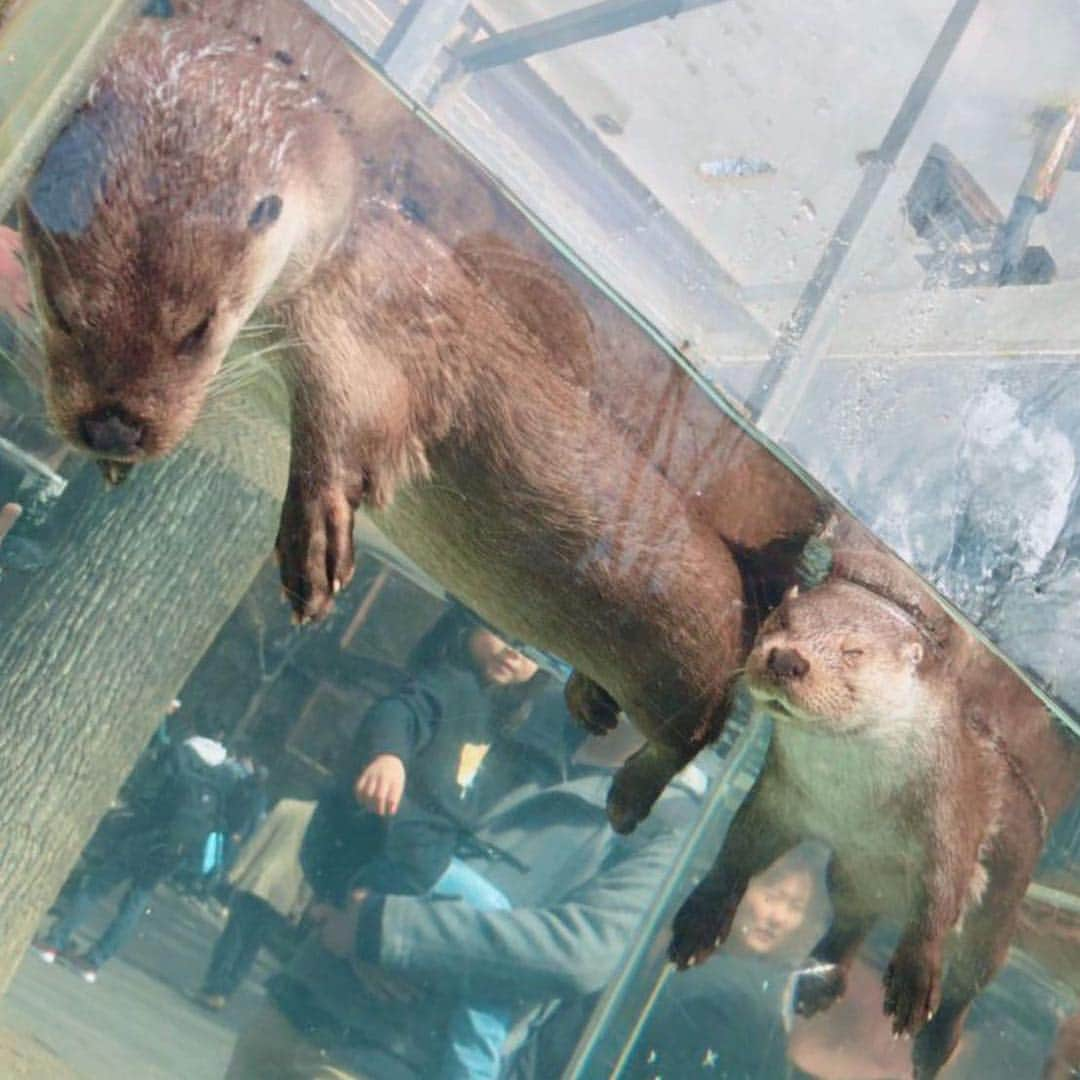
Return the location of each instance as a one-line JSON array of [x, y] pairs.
[[929, 768], [502, 421]]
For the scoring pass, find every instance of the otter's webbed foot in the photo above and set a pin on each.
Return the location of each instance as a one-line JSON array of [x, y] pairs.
[[639, 783], [314, 548], [817, 987], [913, 985], [701, 926], [591, 705]]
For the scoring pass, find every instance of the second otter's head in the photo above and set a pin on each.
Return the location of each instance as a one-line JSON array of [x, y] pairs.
[[162, 215], [843, 660]]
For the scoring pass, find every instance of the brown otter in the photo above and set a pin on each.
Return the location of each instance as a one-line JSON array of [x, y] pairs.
[[507, 425], [924, 762]]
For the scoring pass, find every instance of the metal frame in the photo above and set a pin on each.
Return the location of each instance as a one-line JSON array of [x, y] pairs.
[[596, 20]]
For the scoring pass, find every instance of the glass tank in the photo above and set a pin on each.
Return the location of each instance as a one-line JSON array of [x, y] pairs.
[[537, 540]]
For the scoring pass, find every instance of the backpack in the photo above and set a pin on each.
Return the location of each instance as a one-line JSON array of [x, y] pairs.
[[199, 795]]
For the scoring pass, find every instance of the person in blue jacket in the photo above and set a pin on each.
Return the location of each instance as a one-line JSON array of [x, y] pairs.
[[410, 795], [374, 992]]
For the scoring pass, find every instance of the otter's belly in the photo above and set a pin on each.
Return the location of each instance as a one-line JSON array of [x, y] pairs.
[[632, 602], [850, 795]]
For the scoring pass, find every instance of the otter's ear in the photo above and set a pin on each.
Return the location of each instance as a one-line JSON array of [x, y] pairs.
[[913, 653], [266, 212]]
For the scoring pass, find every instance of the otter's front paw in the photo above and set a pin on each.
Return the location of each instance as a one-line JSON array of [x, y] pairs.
[[314, 549], [700, 927], [640, 781], [817, 987], [913, 985], [590, 704]]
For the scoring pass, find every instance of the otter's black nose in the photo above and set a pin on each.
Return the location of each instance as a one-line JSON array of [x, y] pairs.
[[786, 664], [111, 431]]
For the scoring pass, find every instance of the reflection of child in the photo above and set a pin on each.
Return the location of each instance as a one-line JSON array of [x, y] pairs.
[[774, 910], [420, 753], [725, 1019]]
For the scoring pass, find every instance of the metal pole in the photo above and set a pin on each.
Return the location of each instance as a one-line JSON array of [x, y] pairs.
[[597, 20]]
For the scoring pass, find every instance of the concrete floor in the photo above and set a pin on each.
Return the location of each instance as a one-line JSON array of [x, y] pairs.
[[137, 1020]]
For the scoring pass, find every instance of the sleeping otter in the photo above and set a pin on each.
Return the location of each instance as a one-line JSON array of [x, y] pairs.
[[507, 426], [925, 763]]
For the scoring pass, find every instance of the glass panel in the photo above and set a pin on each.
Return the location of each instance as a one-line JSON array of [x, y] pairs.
[[614, 744]]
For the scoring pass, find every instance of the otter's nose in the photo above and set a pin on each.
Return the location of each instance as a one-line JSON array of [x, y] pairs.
[[111, 430], [786, 664]]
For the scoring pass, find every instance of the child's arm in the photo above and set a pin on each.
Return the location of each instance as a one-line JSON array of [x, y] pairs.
[[393, 731]]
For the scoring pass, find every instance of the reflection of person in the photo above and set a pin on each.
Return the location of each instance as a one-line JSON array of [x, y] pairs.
[[245, 807], [420, 753], [14, 286], [852, 1039], [268, 889], [170, 819], [726, 1019], [1064, 1060], [780, 910], [375, 993], [10, 512]]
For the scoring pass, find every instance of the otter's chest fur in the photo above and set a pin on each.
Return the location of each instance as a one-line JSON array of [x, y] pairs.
[[863, 797]]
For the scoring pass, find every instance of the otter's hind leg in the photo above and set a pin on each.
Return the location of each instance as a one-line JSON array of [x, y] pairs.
[[590, 704], [755, 839], [981, 950], [824, 980]]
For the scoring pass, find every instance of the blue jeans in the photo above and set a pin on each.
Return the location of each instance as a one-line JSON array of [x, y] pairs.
[[476, 1035], [91, 889]]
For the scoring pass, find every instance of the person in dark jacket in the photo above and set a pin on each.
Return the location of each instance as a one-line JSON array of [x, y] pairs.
[[395, 828], [169, 819], [373, 992]]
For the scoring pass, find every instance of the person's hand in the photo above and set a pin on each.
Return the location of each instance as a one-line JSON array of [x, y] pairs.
[[14, 288], [380, 786], [336, 928]]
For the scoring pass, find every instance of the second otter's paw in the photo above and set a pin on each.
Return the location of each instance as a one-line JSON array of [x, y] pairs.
[[818, 986], [314, 549], [913, 985], [701, 926], [591, 705]]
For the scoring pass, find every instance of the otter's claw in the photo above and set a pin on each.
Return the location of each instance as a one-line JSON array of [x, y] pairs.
[[314, 549], [701, 926], [913, 986], [115, 472]]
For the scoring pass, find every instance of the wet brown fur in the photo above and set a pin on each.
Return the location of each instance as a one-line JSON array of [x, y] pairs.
[[925, 763], [510, 428]]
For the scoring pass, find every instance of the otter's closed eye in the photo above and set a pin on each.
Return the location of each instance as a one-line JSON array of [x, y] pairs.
[[850, 655], [266, 212], [194, 339]]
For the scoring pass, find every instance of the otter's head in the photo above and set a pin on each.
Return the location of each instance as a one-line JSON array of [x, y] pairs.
[[158, 220], [840, 659]]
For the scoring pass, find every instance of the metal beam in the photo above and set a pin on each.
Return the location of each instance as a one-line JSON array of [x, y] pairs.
[[416, 39], [778, 393], [597, 20]]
